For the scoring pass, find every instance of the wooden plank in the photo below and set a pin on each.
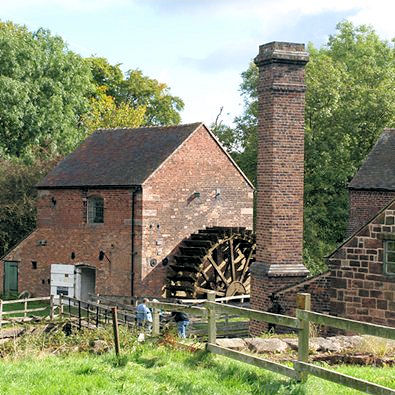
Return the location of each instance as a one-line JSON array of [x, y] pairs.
[[212, 323], [256, 315], [25, 300], [24, 311], [178, 307], [342, 379], [252, 360], [230, 298], [303, 302], [348, 325]]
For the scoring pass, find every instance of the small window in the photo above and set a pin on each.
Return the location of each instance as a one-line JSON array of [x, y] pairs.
[[389, 256], [34, 265], [95, 210]]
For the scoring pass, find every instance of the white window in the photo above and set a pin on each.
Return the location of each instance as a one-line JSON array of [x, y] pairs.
[[95, 210]]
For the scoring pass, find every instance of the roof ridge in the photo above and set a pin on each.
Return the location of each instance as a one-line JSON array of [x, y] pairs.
[[148, 127]]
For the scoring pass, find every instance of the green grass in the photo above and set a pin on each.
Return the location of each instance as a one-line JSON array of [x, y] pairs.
[[155, 369], [30, 305]]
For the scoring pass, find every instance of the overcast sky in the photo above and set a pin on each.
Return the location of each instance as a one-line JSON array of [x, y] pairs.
[[198, 47]]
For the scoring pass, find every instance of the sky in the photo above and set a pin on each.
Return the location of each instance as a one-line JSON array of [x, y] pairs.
[[198, 48]]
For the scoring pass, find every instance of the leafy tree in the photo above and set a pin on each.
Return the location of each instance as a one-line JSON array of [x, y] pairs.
[[349, 100], [44, 89], [105, 113], [137, 91], [17, 199]]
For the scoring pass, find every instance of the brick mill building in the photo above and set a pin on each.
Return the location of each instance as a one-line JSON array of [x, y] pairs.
[[110, 215]]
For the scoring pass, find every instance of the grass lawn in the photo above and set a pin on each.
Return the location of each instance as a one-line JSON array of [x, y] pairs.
[[155, 369], [31, 305]]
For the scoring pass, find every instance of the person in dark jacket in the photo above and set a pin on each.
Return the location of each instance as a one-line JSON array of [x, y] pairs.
[[182, 323]]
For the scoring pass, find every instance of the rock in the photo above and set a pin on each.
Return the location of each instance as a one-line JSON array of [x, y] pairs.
[[292, 343], [99, 346], [262, 346], [12, 332], [233, 344], [5, 340], [327, 345]]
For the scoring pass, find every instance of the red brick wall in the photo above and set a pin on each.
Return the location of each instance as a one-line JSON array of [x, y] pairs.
[[359, 289], [65, 230], [201, 166], [364, 205], [280, 172]]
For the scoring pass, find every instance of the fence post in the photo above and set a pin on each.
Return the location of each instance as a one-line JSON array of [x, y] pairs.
[[52, 308], [1, 313], [61, 306], [155, 322], [115, 328], [212, 325], [303, 302], [24, 310]]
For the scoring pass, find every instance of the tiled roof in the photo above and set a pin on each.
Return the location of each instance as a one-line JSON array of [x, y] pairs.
[[378, 170], [118, 157]]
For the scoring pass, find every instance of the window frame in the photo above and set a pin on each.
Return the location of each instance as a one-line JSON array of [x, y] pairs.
[[385, 257], [91, 211]]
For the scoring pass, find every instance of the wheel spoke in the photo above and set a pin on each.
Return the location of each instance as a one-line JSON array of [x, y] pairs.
[[232, 260], [215, 266], [246, 265]]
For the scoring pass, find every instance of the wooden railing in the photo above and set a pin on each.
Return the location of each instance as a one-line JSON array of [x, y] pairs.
[[301, 367], [15, 315]]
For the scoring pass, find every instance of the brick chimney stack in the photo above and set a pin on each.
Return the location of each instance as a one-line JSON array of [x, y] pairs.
[[279, 226]]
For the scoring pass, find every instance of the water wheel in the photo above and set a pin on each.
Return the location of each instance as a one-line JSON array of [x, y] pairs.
[[216, 259]]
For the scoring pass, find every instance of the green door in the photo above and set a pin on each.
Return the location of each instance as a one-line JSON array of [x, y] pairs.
[[10, 278]]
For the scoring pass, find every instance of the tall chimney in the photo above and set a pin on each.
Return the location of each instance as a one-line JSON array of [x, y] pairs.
[[279, 226]]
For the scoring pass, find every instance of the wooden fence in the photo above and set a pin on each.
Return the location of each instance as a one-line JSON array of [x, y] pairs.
[[22, 315], [301, 367], [92, 315]]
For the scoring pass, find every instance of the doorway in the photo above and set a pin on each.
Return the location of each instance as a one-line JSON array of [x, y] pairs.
[[85, 282], [10, 281]]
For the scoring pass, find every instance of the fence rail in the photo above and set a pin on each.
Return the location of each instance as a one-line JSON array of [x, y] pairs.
[[301, 368]]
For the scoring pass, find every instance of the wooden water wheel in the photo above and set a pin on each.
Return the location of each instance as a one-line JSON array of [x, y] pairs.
[[216, 259]]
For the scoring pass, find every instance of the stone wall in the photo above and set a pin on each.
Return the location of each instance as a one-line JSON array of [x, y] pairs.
[[359, 288], [364, 205]]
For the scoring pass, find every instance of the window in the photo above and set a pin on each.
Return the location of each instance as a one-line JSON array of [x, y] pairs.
[[95, 210], [389, 256], [34, 265]]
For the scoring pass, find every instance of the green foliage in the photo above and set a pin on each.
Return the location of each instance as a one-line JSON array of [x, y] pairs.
[[50, 100], [137, 91], [17, 198], [349, 100], [44, 90]]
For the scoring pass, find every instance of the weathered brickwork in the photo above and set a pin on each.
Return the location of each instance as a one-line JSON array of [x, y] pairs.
[[364, 205], [64, 229], [279, 226], [164, 214], [171, 213], [359, 288]]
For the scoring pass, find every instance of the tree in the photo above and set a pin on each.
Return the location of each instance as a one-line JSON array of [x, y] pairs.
[[137, 91], [349, 100], [17, 198], [105, 113], [44, 89]]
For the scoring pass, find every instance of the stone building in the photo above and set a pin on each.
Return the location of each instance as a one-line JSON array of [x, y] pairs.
[[111, 213], [373, 186]]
